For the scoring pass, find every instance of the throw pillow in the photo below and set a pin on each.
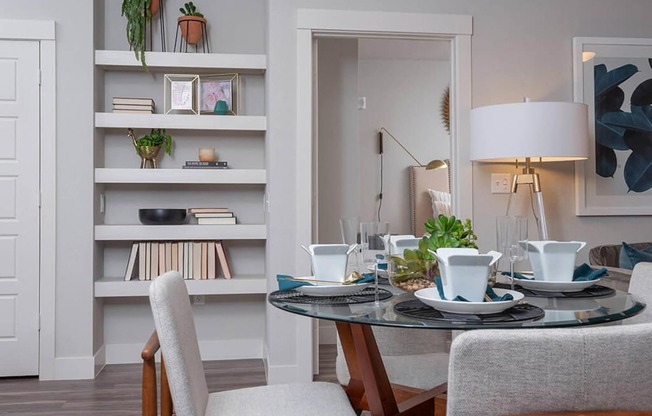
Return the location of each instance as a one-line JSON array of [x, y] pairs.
[[441, 203], [629, 256]]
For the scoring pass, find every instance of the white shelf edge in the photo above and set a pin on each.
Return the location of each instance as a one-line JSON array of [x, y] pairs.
[[181, 176], [108, 287], [169, 61], [180, 232], [180, 121]]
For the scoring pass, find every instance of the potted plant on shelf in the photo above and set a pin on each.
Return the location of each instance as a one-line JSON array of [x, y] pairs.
[[148, 147], [416, 269], [139, 14], [191, 23]]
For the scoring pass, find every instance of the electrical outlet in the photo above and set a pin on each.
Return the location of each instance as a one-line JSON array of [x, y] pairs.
[[500, 183], [198, 299]]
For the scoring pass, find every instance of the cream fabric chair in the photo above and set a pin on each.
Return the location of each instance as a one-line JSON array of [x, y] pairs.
[[176, 332], [516, 371], [640, 285]]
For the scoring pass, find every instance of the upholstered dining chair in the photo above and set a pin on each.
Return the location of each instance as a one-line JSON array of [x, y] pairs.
[[640, 285], [175, 327], [517, 371]]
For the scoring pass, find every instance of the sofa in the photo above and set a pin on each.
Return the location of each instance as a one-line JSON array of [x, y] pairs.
[[608, 256]]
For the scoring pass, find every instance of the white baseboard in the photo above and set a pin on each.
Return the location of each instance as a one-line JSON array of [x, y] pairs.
[[74, 368], [210, 350], [100, 360], [281, 374]]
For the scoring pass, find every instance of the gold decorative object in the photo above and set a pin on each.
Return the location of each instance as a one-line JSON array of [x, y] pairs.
[[148, 154]]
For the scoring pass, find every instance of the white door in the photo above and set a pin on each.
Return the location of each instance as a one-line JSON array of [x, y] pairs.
[[19, 207]]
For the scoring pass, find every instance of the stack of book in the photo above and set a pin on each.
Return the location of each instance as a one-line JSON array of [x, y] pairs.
[[133, 105], [213, 215], [193, 259], [197, 164]]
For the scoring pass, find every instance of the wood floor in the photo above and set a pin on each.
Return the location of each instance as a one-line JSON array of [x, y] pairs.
[[116, 391]]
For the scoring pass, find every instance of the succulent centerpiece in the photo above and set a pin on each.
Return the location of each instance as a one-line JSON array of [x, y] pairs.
[[416, 269]]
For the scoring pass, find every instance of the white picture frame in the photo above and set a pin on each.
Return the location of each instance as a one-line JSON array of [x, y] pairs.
[[611, 181], [181, 94]]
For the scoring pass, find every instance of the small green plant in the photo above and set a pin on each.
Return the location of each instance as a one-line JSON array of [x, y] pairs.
[[138, 15], [157, 137], [189, 9], [417, 268]]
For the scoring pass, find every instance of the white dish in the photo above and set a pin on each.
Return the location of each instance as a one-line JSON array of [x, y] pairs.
[[330, 289], [430, 297], [548, 286]]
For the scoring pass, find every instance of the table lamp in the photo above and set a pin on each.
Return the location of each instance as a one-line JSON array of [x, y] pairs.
[[520, 132]]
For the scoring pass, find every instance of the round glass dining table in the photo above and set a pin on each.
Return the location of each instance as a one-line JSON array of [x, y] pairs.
[[370, 388], [567, 311]]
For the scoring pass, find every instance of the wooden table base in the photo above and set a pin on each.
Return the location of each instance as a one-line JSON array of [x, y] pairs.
[[369, 387]]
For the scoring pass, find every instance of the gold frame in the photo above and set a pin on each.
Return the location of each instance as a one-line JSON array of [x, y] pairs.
[[207, 101], [185, 85]]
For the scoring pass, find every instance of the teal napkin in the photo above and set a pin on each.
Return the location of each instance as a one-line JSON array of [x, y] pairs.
[[581, 273], [490, 292], [285, 283]]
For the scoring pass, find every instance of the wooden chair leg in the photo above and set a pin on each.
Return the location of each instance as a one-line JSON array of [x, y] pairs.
[[149, 376], [166, 397]]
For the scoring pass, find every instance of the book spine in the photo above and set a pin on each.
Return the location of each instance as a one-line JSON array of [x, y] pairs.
[[200, 163], [204, 167]]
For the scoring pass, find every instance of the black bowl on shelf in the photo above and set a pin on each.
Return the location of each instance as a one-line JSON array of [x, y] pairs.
[[162, 216]]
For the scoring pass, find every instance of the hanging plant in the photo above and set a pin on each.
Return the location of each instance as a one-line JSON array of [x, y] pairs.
[[139, 15]]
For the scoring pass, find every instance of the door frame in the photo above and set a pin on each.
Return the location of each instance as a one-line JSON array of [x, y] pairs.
[[312, 23], [43, 31]]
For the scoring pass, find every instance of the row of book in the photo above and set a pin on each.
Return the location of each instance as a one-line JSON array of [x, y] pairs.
[[196, 260], [133, 105], [213, 216], [198, 164]]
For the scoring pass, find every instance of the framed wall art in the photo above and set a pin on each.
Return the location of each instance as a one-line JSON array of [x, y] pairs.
[[181, 94], [613, 76], [219, 87]]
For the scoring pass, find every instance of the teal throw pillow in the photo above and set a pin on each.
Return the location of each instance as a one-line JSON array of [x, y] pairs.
[[629, 256]]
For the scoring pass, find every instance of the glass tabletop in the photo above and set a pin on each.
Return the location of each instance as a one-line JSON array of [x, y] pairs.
[[559, 312]]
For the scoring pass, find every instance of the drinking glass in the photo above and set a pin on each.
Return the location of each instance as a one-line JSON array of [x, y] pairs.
[[350, 229], [511, 236], [374, 238]]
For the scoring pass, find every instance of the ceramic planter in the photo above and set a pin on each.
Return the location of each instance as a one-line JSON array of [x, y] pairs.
[[191, 28]]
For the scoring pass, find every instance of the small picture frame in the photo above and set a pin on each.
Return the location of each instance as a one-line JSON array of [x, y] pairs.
[[181, 94], [219, 87]]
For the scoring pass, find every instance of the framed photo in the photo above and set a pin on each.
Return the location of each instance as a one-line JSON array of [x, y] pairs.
[[219, 87], [613, 76], [181, 94]]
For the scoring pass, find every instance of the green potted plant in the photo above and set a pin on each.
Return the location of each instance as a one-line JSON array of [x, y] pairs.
[[149, 146], [416, 269], [139, 14], [191, 23]]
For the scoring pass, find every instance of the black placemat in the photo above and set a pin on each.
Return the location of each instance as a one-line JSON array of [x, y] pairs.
[[595, 291], [417, 309], [363, 296]]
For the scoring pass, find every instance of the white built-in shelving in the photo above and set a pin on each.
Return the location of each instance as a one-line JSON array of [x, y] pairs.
[[180, 232], [108, 287], [180, 63], [181, 176], [181, 121]]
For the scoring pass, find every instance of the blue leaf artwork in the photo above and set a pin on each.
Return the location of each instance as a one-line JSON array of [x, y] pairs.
[[618, 130]]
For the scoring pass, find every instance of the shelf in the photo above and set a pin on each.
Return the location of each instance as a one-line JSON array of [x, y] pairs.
[[170, 62], [109, 287], [181, 121], [181, 176], [180, 232]]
